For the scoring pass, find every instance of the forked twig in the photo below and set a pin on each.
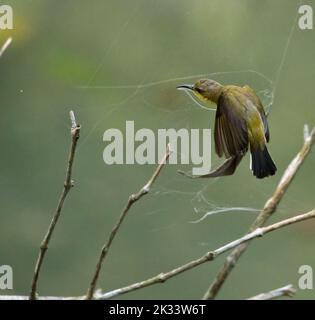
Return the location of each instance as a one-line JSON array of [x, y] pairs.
[[209, 256], [131, 200], [68, 184]]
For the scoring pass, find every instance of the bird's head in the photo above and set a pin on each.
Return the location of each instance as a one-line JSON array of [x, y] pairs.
[[204, 89]]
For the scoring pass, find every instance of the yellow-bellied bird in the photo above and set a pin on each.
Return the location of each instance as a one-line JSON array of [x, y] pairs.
[[240, 122]]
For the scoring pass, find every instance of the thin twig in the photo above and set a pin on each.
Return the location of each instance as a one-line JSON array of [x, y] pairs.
[[287, 291], [209, 256], [269, 208], [131, 200], [68, 184], [162, 277], [5, 46]]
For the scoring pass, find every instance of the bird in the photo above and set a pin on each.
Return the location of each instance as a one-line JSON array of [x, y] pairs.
[[240, 123]]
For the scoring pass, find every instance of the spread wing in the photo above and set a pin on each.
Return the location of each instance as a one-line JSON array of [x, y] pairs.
[[253, 97], [230, 132]]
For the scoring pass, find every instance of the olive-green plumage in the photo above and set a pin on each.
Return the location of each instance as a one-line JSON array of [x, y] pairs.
[[240, 122]]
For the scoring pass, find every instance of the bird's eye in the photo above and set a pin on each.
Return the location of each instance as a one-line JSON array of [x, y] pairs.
[[198, 90]]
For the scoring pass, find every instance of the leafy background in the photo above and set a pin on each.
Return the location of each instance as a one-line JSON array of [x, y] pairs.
[[91, 56]]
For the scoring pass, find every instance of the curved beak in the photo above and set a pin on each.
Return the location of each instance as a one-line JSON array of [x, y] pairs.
[[185, 87]]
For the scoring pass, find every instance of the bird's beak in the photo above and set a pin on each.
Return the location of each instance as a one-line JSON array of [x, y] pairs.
[[185, 87]]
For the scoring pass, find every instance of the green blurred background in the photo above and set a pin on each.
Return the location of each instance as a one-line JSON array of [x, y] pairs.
[[91, 56]]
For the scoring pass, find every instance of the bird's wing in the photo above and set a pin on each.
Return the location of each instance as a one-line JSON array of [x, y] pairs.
[[257, 102], [230, 132], [227, 168]]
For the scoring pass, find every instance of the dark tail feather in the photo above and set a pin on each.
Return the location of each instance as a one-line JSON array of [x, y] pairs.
[[262, 164]]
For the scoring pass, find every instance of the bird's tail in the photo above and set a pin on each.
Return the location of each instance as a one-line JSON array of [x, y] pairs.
[[262, 164]]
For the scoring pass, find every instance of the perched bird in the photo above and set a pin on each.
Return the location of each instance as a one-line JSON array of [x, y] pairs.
[[240, 122]]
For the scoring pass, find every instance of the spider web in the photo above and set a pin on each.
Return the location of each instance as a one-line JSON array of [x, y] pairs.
[[144, 93]]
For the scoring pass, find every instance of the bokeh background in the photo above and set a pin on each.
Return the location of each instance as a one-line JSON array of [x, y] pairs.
[[112, 61]]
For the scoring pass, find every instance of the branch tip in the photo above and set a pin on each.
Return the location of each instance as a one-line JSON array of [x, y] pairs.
[[306, 132], [288, 291], [73, 120]]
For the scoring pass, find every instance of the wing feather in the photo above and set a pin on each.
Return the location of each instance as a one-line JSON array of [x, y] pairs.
[[257, 102], [230, 132]]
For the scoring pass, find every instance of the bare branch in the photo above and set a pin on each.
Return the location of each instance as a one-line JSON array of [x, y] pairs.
[[269, 208], [162, 277], [287, 291], [68, 184], [209, 256], [131, 200], [5, 46]]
